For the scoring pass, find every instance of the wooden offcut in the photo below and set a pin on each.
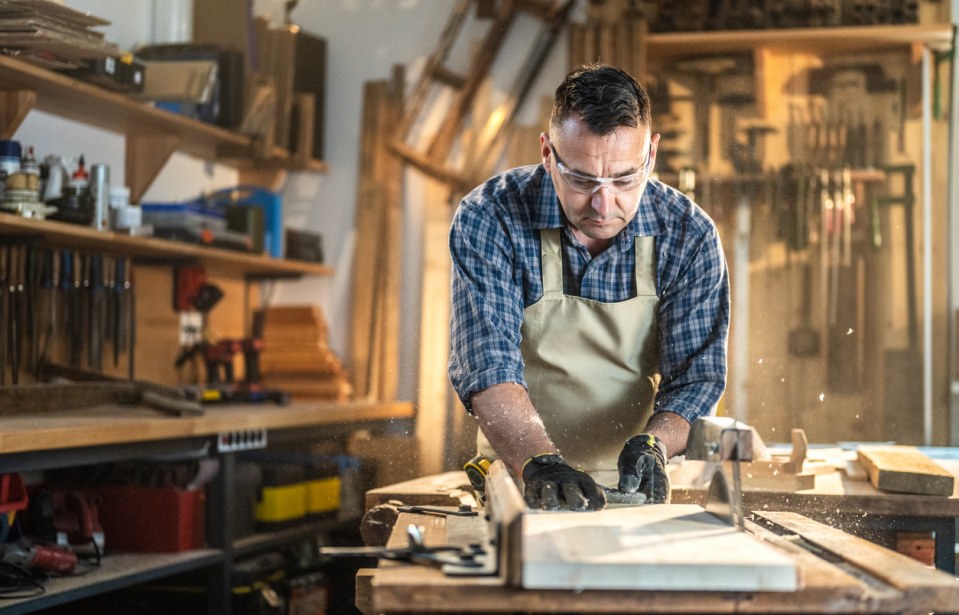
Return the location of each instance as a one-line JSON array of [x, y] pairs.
[[905, 469]]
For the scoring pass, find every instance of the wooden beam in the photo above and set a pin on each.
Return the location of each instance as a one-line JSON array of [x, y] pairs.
[[434, 170], [377, 268], [14, 107], [432, 410], [367, 234], [146, 155], [391, 245]]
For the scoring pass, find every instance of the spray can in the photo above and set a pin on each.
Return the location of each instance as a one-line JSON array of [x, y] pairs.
[[100, 193]]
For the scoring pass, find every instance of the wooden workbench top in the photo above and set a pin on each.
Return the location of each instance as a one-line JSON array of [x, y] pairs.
[[115, 424], [865, 579]]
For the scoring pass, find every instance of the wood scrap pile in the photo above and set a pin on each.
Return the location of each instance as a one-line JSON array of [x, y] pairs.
[[296, 356], [50, 34]]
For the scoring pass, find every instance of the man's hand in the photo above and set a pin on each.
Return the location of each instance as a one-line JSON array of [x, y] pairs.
[[551, 484], [642, 467]]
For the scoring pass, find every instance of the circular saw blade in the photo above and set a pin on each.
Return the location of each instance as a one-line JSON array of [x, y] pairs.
[[719, 497]]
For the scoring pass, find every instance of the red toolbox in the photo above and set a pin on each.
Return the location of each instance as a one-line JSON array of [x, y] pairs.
[[152, 519]]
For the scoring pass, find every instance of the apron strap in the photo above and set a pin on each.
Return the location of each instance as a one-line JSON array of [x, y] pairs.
[[552, 261], [645, 248]]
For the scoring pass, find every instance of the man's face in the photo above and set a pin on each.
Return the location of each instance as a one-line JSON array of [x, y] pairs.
[[598, 179]]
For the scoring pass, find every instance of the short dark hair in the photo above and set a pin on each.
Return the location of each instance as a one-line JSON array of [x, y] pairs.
[[605, 97]]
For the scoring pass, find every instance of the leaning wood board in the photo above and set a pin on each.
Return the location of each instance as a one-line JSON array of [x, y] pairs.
[[905, 469], [655, 547]]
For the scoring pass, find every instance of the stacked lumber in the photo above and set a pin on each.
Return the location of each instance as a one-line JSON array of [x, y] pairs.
[[296, 356]]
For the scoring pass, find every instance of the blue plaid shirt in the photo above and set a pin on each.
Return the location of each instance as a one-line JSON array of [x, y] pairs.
[[495, 247]]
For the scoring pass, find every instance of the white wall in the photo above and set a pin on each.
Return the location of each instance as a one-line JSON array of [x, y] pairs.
[[366, 38]]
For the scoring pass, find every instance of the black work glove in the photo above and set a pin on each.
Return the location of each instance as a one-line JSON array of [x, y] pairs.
[[551, 484], [642, 468]]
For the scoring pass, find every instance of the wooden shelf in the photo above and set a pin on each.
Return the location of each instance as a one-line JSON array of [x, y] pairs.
[[664, 46], [62, 234], [152, 134]]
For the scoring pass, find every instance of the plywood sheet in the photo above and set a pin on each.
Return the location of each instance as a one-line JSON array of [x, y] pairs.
[[655, 547]]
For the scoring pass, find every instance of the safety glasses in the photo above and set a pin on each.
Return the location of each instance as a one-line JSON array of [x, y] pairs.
[[588, 184]]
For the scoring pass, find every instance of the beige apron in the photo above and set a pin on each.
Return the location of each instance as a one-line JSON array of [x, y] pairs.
[[591, 367]]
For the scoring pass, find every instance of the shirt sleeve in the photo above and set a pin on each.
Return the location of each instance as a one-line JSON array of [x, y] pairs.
[[487, 303], [694, 324]]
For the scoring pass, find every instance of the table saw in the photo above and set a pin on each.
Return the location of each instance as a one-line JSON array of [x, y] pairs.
[[652, 559], [836, 573]]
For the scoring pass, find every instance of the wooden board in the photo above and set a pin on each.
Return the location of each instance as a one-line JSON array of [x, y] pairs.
[[656, 547], [904, 469]]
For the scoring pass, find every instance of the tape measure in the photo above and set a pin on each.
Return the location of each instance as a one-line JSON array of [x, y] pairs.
[[476, 470]]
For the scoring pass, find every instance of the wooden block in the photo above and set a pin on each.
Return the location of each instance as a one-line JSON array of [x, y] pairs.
[[445, 489], [304, 107], [287, 315], [904, 469], [654, 547], [282, 40], [314, 362], [363, 597], [920, 546]]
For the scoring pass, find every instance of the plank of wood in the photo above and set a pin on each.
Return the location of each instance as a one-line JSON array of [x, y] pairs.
[[367, 234], [655, 547], [924, 589], [905, 469], [390, 274], [378, 270], [445, 489], [433, 385]]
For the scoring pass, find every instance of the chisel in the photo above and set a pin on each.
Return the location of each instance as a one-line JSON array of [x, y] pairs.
[[68, 291], [96, 315], [16, 312], [116, 298], [47, 310], [4, 311], [129, 292]]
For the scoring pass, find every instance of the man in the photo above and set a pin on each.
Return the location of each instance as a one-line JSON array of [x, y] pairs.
[[590, 305]]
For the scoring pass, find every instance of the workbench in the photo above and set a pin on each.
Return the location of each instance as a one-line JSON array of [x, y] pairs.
[[102, 434], [840, 574]]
